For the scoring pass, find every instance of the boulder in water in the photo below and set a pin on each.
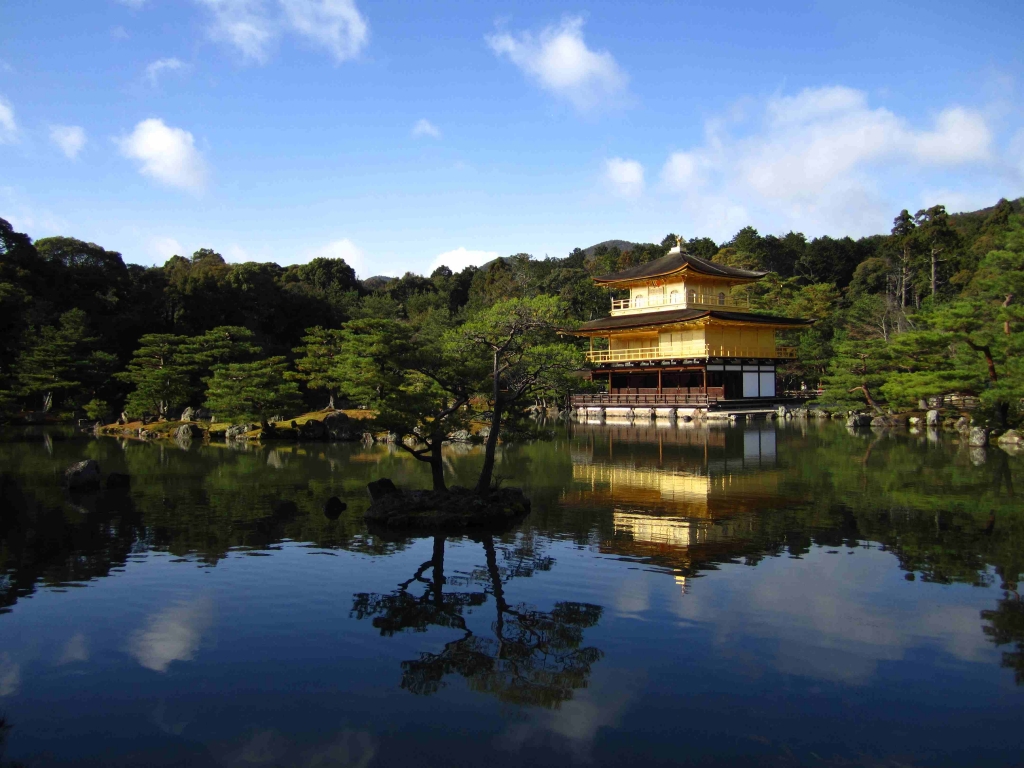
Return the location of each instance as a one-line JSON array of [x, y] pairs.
[[237, 431], [187, 432], [313, 430], [977, 437], [85, 475], [333, 508], [932, 418], [858, 420], [455, 509], [339, 427], [1010, 437], [381, 488]]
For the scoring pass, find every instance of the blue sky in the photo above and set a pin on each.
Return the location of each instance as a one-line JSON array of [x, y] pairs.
[[396, 134]]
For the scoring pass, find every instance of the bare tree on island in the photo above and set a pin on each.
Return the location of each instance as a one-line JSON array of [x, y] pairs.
[[517, 341], [534, 657]]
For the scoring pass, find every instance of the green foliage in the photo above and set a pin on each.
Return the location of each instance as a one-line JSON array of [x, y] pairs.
[[252, 391], [61, 360], [858, 369], [516, 343], [934, 273], [157, 373], [97, 410], [317, 360]]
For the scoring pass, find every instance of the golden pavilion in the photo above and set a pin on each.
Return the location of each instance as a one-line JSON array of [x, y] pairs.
[[682, 339]]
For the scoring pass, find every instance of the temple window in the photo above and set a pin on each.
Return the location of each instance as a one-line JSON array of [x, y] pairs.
[[721, 299]]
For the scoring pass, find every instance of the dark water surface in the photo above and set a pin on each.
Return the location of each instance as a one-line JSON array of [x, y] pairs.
[[782, 594]]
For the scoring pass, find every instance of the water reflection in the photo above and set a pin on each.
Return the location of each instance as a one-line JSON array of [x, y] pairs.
[[528, 657], [1005, 626], [687, 585], [172, 634]]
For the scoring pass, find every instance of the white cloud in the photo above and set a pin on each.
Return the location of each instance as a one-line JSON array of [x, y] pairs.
[[680, 171], [10, 675], [119, 33], [8, 127], [960, 136], [242, 24], [70, 139], [154, 69], [626, 177], [165, 154], [822, 160], [424, 127], [335, 25], [251, 26], [559, 59], [165, 247], [461, 258], [1016, 153], [75, 649], [343, 249], [171, 635]]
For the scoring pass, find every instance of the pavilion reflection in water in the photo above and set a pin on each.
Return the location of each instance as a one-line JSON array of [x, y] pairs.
[[679, 498]]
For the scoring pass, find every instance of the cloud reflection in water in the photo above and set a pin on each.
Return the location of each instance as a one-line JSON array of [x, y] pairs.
[[173, 634]]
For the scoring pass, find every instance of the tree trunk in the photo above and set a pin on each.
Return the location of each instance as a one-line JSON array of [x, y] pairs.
[[934, 281], [987, 352], [867, 396], [437, 562], [496, 586], [437, 465], [483, 485]]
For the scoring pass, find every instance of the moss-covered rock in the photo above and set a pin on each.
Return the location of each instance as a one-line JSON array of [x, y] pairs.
[[452, 510]]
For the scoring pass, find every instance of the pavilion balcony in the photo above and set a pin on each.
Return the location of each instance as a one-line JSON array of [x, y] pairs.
[[688, 351], [674, 300]]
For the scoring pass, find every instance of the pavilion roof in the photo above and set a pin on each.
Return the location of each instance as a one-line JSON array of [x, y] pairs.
[[673, 316], [676, 262]]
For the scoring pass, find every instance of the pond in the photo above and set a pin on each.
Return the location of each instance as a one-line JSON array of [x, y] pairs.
[[778, 593]]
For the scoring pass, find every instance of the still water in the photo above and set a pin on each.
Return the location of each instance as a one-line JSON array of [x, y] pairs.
[[782, 594]]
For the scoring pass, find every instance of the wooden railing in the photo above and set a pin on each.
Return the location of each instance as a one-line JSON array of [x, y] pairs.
[[682, 301], [664, 399], [687, 350]]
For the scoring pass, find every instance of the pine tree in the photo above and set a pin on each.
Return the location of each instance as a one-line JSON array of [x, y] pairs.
[[199, 355], [988, 319], [155, 370], [256, 391], [317, 360], [418, 387], [858, 370], [59, 358]]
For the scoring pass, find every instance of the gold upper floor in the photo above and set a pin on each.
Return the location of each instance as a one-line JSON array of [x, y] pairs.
[[658, 296]]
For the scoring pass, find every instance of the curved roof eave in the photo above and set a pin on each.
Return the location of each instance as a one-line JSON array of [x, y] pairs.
[[677, 262], [669, 317]]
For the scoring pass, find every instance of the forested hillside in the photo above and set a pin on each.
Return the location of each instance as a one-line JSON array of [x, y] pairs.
[[931, 307]]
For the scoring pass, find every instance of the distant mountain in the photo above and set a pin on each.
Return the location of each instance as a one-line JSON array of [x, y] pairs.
[[622, 245], [377, 282]]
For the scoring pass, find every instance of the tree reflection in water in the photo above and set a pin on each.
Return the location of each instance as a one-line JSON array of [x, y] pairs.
[[1005, 626], [529, 657]]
